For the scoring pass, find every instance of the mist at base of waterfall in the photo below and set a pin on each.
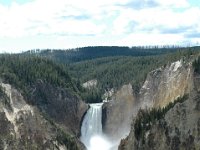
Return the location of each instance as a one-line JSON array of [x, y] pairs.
[[91, 130], [99, 143]]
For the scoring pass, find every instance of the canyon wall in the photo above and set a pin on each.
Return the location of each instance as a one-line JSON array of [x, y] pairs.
[[26, 126], [180, 126], [161, 87]]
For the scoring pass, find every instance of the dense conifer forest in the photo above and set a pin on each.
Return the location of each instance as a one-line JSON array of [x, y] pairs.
[[113, 66], [88, 53], [111, 72], [24, 71], [146, 118]]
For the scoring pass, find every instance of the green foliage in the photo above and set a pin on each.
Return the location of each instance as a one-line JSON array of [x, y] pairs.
[[146, 118], [88, 53], [2, 93], [4, 98], [113, 72], [61, 136], [113, 66], [196, 65], [24, 71], [91, 95], [66, 140]]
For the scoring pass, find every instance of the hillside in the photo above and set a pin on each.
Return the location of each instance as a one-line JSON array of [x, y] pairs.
[[49, 93], [168, 122], [113, 67], [114, 72], [88, 53], [38, 92], [161, 87]]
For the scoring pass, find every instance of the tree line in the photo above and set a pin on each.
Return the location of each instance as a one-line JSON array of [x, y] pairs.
[[24, 71], [88, 53], [147, 118], [113, 72]]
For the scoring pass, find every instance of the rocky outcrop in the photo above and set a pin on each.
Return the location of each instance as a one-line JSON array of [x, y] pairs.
[[90, 84], [40, 104], [165, 84], [161, 87], [61, 105], [180, 127], [26, 126], [117, 113]]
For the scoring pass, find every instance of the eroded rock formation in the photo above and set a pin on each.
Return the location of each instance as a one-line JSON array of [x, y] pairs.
[[117, 113], [24, 126], [180, 127], [161, 87]]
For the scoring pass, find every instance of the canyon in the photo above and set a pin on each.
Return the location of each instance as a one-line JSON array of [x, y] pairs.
[[49, 112]]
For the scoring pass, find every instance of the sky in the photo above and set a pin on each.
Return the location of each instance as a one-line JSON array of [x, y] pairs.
[[62, 24]]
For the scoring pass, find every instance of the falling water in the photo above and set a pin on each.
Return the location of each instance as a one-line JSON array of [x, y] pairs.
[[91, 129]]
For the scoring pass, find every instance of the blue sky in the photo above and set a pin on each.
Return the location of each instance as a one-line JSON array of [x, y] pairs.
[[194, 2], [31, 24], [9, 2]]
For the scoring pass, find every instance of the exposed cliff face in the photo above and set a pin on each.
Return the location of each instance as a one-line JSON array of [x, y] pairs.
[[24, 126], [90, 84], [180, 128], [61, 105], [117, 113], [161, 87], [166, 84]]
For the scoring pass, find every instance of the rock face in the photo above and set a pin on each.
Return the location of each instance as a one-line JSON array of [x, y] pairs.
[[32, 126], [161, 87], [64, 107], [117, 113], [166, 84], [90, 84], [180, 128]]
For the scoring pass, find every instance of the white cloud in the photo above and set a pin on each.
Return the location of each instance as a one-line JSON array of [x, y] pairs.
[[157, 20], [131, 21], [151, 39], [173, 3]]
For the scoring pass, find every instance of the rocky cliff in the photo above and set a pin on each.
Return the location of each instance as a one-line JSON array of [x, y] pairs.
[[26, 126], [179, 128], [117, 113], [161, 87], [40, 105], [166, 84], [61, 105]]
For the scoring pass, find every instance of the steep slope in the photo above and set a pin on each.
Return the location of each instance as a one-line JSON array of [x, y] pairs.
[[165, 84], [60, 105], [114, 72], [117, 113], [23, 126], [112, 67], [44, 91], [177, 128], [161, 87]]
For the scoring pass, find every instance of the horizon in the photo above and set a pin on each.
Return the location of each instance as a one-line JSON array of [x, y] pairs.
[[59, 24], [68, 49]]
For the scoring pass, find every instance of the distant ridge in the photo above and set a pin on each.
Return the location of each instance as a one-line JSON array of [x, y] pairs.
[[88, 53]]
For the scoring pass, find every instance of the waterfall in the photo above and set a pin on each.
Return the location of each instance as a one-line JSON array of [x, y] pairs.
[[91, 129]]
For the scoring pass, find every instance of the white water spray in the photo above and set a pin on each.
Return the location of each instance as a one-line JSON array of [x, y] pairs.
[[91, 129]]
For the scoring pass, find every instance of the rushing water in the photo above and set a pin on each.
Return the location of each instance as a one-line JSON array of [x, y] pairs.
[[91, 129]]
